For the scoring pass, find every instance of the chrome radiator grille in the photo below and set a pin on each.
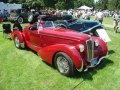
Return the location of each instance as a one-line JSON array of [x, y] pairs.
[[90, 49]]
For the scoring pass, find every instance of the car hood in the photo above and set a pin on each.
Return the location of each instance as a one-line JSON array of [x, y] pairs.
[[65, 33], [84, 25], [90, 25]]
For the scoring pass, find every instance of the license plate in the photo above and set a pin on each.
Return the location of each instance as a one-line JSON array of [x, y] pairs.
[[103, 35], [94, 62]]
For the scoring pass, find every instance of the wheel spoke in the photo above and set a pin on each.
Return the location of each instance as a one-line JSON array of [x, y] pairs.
[[17, 42], [62, 64]]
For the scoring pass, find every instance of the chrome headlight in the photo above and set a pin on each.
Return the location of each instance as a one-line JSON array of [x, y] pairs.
[[81, 47], [96, 43]]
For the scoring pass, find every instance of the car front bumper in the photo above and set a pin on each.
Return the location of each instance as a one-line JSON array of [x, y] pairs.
[[92, 64], [12, 19]]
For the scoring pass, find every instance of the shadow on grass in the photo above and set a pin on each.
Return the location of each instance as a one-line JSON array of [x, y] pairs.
[[29, 49], [88, 75], [110, 52], [118, 32], [92, 71]]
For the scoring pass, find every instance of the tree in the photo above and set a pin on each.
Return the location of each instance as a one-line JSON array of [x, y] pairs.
[[64, 4], [32, 3], [114, 5], [60, 5], [78, 3], [50, 3], [101, 4], [5, 1]]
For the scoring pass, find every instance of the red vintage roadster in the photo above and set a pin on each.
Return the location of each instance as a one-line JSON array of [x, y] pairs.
[[66, 49]]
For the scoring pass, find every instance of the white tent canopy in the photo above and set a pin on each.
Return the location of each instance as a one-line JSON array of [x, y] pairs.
[[84, 8]]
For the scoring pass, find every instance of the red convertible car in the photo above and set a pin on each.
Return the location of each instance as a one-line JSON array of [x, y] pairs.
[[66, 49]]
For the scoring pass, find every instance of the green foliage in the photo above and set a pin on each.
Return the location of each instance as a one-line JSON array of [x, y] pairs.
[[79, 3], [101, 4], [64, 4], [50, 3], [60, 5], [108, 4], [68, 4], [114, 4]]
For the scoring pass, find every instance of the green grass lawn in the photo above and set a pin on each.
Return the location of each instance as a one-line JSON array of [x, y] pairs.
[[106, 20], [24, 70]]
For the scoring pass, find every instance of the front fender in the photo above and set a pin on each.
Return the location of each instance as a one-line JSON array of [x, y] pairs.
[[102, 49], [19, 34], [48, 53]]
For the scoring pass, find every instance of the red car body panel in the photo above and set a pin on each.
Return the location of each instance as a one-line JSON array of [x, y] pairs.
[[1, 19], [48, 41], [19, 34], [49, 52]]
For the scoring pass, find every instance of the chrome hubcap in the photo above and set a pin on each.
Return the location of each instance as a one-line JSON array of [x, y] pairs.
[[20, 20], [62, 64], [17, 42]]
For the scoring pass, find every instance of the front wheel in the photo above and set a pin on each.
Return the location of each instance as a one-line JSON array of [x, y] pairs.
[[20, 20], [64, 64]]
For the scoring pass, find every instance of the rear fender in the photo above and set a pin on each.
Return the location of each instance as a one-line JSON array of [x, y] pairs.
[[19, 34], [48, 53]]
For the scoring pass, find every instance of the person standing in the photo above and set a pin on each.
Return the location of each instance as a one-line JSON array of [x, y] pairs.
[[116, 19], [86, 15], [17, 26], [99, 16]]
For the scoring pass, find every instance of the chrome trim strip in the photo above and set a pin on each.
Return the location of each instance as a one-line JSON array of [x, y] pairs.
[[88, 54]]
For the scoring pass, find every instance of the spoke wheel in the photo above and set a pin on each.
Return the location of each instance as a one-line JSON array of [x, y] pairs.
[[17, 42], [64, 64]]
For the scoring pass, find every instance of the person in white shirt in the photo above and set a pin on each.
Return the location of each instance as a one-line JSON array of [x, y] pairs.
[[116, 18], [99, 16], [86, 15]]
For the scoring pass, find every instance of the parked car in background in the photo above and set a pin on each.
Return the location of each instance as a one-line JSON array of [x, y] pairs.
[[67, 50], [21, 15]]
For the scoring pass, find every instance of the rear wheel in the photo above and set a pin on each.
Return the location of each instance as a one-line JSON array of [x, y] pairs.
[[17, 42], [64, 64]]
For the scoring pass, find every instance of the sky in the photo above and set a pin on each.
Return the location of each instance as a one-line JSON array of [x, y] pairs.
[[95, 0]]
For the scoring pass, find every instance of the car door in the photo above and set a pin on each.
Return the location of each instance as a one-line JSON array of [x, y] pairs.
[[35, 37], [24, 14]]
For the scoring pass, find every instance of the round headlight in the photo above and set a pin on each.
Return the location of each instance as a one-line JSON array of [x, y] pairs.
[[96, 43], [81, 47]]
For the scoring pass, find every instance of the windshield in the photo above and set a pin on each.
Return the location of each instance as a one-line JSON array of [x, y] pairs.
[[47, 24], [54, 24]]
